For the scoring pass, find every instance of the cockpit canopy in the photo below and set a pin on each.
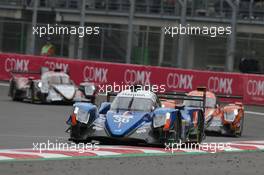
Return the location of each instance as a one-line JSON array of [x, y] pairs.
[[56, 78], [134, 101]]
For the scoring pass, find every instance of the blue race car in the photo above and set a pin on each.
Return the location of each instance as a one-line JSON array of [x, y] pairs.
[[137, 117]]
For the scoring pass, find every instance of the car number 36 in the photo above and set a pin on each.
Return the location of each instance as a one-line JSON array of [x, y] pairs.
[[122, 119]]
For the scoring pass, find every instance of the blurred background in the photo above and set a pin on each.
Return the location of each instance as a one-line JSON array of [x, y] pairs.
[[131, 31]]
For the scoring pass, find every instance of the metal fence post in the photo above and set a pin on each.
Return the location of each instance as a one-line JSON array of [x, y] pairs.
[[181, 40], [231, 46], [161, 48], [82, 23], [130, 31], [34, 24], [102, 44]]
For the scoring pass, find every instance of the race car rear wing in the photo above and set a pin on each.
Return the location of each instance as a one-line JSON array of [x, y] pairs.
[[229, 96], [109, 95], [41, 71], [30, 74], [173, 96], [184, 96], [23, 72]]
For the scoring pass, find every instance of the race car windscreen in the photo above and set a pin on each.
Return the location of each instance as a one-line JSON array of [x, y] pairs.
[[57, 79], [132, 104], [210, 103]]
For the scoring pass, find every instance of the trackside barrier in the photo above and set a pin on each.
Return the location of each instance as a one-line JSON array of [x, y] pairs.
[[251, 87]]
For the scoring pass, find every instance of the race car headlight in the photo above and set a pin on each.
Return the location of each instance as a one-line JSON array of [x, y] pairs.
[[160, 120], [81, 115], [89, 90], [43, 86], [39, 84], [230, 116], [76, 109]]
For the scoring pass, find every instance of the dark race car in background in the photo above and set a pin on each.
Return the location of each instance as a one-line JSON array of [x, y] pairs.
[[136, 116], [52, 86]]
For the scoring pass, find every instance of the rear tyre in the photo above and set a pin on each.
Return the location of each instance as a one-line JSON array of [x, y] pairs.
[[32, 94], [174, 135], [13, 93], [200, 131], [178, 128]]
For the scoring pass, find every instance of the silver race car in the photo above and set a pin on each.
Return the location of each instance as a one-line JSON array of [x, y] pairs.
[[51, 86]]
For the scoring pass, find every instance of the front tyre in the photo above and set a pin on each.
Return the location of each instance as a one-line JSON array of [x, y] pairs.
[[43, 98]]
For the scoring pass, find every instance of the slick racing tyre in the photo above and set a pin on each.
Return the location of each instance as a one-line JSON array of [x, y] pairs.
[[32, 94], [13, 92], [200, 130], [43, 98], [174, 136], [240, 131]]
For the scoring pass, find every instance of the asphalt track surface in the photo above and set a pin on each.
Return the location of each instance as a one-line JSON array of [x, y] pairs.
[[22, 124]]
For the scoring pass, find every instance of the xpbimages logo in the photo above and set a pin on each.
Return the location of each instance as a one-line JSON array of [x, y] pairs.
[[212, 31], [65, 30], [62, 146], [196, 147], [116, 88]]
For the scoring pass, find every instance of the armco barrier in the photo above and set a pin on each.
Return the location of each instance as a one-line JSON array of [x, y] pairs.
[[251, 87]]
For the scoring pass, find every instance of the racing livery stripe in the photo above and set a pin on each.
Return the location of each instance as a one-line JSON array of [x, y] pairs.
[[254, 113], [121, 151]]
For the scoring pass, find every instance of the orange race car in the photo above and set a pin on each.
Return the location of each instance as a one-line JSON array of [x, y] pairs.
[[223, 119]]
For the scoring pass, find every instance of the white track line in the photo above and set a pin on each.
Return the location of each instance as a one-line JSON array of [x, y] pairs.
[[5, 158], [105, 153], [254, 113], [4, 84], [24, 136]]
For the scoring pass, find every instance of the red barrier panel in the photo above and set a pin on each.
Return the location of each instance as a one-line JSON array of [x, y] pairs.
[[254, 89], [249, 86]]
